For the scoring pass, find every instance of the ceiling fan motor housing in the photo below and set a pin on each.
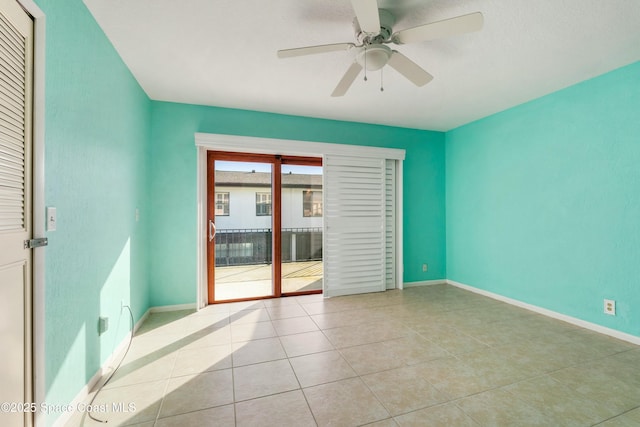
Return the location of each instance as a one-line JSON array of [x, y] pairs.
[[386, 29]]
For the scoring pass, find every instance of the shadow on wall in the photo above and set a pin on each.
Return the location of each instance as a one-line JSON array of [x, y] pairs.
[[117, 281]]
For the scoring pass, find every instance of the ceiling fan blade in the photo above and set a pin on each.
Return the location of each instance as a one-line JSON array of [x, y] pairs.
[[312, 50], [435, 30], [409, 69], [367, 14], [347, 80]]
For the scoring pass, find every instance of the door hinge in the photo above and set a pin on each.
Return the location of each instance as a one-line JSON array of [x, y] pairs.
[[36, 243]]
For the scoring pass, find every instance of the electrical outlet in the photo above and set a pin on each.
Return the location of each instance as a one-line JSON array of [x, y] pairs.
[[610, 307], [425, 267], [103, 325]]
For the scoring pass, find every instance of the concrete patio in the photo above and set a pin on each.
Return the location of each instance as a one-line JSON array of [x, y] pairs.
[[247, 281]]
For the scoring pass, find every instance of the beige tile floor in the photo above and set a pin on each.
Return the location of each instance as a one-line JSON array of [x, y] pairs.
[[429, 356]]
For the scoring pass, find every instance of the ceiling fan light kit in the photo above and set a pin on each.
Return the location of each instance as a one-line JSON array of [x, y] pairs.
[[373, 57], [374, 30]]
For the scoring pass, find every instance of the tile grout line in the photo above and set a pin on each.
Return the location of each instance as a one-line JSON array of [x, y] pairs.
[[300, 385], [537, 372]]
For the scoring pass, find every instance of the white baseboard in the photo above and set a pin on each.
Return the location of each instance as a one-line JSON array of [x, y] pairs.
[[425, 283], [549, 313], [141, 321], [176, 307], [104, 370], [82, 395], [109, 363]]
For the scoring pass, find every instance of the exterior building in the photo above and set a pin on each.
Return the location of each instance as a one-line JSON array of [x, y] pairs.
[[243, 200], [243, 217]]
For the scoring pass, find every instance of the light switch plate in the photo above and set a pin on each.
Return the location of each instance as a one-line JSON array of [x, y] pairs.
[[52, 219]]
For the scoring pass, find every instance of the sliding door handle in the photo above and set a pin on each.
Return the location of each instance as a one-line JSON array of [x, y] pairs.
[[212, 230]]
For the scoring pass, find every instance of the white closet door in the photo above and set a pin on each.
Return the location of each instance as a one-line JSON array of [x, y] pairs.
[[16, 47], [390, 223], [354, 225]]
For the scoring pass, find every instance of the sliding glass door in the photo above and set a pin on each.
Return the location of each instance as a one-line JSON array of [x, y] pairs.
[[301, 232], [242, 230], [264, 225]]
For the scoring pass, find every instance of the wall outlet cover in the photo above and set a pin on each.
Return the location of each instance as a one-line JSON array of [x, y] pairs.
[[610, 307], [103, 325]]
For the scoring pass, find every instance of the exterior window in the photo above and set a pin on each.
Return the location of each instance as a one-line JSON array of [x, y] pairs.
[[263, 204], [222, 204], [311, 203]]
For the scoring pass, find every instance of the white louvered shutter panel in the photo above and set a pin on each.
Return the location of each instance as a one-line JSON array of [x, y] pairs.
[[16, 40], [390, 223], [12, 127], [354, 225]]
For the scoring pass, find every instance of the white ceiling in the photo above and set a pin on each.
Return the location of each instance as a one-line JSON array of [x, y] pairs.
[[223, 53]]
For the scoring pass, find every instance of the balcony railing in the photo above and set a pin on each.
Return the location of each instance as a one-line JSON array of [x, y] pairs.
[[254, 246]]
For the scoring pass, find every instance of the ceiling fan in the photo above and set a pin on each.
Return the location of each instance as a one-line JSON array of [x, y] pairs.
[[373, 31]]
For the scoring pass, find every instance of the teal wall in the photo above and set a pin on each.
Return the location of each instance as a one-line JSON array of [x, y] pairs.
[[97, 126], [543, 201], [540, 202], [173, 186]]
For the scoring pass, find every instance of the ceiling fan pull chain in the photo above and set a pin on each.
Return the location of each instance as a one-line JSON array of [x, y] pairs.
[[381, 80], [365, 63]]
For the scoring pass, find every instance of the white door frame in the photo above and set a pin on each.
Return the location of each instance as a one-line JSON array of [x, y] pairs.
[[249, 144], [38, 218]]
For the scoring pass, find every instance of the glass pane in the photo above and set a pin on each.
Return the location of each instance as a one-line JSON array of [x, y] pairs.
[[301, 228], [243, 240]]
